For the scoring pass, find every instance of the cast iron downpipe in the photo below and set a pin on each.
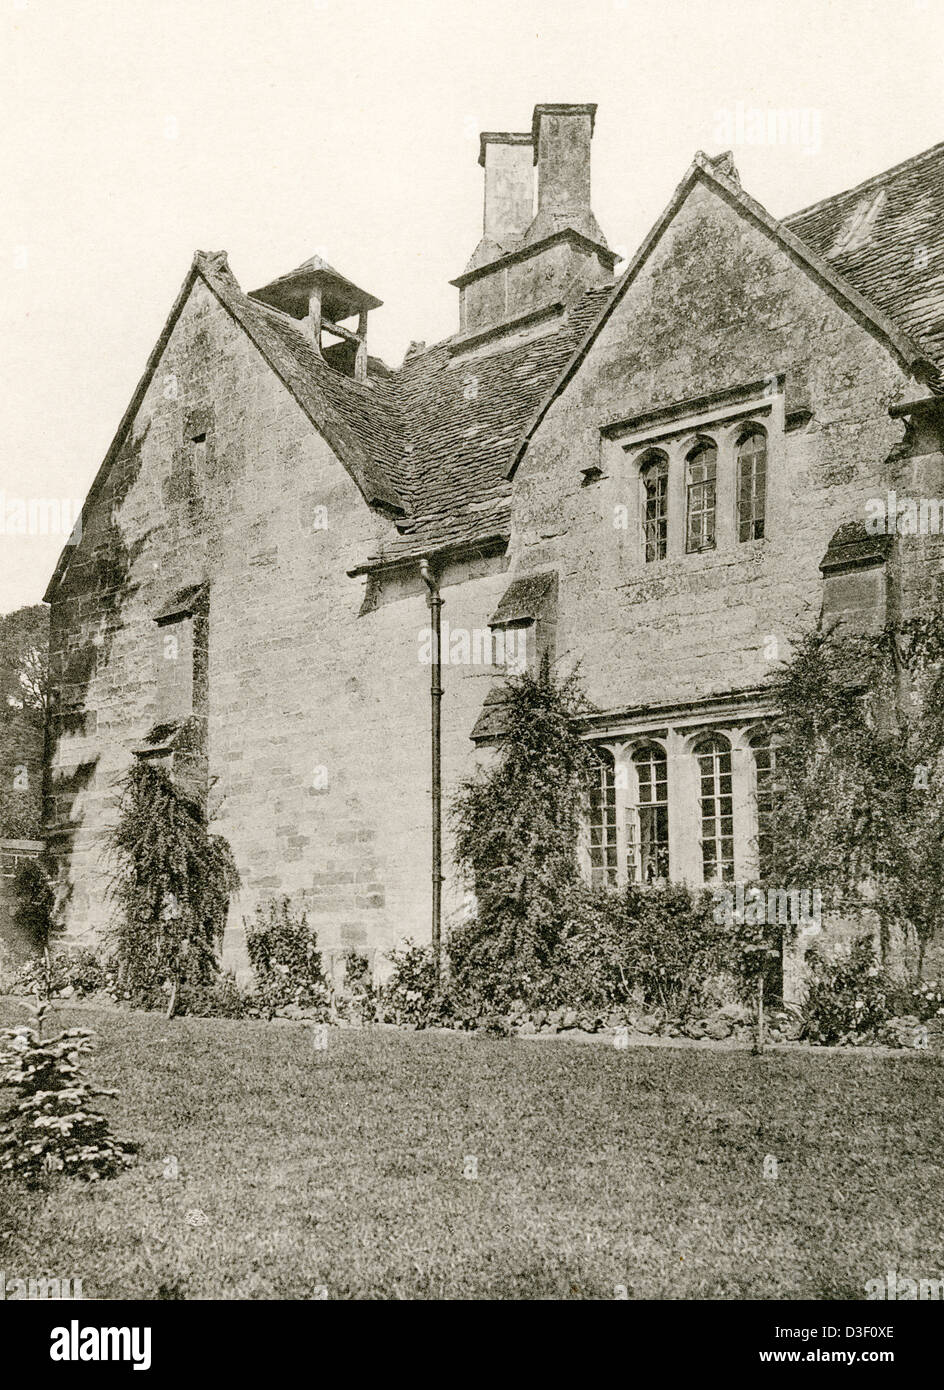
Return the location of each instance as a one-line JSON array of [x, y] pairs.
[[435, 696]]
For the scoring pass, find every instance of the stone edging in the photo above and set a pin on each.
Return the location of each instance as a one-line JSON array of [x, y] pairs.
[[607, 1037]]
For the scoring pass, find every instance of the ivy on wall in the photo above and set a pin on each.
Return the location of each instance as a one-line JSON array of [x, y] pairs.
[[517, 828], [860, 773], [171, 881]]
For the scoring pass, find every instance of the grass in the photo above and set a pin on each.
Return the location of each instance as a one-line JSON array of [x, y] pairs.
[[596, 1168]]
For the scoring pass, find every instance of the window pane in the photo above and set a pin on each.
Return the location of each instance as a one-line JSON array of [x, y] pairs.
[[751, 486], [717, 809], [655, 482], [603, 854], [764, 801], [647, 823], [700, 525]]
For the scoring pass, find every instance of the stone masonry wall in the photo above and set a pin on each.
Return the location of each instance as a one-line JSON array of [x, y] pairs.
[[717, 306], [318, 727]]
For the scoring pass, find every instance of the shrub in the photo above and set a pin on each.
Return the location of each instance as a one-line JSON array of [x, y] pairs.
[[413, 993], [360, 996], [479, 976], [221, 998], [847, 997], [83, 970], [860, 770], [52, 1125], [657, 946], [31, 977], [284, 955], [927, 1000], [647, 947], [595, 965], [78, 967], [517, 828]]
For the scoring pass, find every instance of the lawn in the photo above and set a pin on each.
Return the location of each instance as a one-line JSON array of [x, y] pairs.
[[345, 1169]]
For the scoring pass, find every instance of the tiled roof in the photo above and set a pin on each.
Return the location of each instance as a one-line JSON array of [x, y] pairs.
[[439, 434], [440, 431], [464, 416], [360, 421], [435, 442], [898, 260]]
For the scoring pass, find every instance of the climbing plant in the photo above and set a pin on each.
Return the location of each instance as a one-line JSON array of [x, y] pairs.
[[860, 772], [517, 830], [171, 881]]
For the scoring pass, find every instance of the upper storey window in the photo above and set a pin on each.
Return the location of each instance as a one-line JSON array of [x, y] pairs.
[[701, 479], [655, 498], [696, 482], [751, 484]]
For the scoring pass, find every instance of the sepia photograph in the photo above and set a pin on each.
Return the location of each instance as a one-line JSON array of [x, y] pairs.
[[471, 671]]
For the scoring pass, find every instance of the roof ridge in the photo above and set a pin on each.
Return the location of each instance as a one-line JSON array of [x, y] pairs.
[[881, 176], [451, 337]]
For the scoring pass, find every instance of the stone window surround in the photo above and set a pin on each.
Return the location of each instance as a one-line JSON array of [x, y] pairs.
[[679, 741], [675, 439]]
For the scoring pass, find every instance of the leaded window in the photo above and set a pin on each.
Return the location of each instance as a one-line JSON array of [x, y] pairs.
[[717, 808], [702, 471], [603, 847], [751, 485], [655, 490], [647, 822], [765, 763]]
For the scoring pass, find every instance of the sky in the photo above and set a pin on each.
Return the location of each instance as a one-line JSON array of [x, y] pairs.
[[136, 133]]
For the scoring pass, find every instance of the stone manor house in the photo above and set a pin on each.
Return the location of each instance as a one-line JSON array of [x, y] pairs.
[[663, 475]]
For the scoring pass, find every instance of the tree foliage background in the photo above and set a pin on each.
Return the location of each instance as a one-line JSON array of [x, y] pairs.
[[24, 645]]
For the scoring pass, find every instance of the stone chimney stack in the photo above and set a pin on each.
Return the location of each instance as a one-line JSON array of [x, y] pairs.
[[508, 160], [527, 269], [561, 136]]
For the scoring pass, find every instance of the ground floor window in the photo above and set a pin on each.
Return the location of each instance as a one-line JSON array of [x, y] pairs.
[[717, 809], [647, 822], [765, 764], [688, 804], [602, 828]]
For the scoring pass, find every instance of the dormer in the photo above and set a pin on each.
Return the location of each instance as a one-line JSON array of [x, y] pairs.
[[322, 299]]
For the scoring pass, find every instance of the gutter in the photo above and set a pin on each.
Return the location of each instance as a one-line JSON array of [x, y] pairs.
[[495, 542]]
